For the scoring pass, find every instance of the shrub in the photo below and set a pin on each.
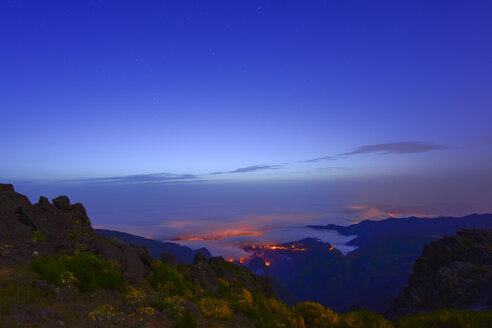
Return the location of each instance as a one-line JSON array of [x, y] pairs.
[[143, 313], [133, 295], [215, 308], [364, 318], [167, 279], [90, 272], [244, 302], [316, 315], [173, 305], [103, 313], [38, 236], [275, 314], [67, 279]]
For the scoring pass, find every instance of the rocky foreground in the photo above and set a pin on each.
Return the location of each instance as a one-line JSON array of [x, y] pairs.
[[45, 229]]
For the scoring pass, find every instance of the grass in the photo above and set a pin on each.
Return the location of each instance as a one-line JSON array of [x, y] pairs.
[[90, 271]]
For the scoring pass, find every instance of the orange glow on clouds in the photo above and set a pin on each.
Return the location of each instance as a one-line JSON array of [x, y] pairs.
[[223, 234], [248, 235], [374, 213], [293, 247]]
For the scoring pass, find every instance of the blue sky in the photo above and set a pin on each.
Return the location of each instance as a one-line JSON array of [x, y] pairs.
[[393, 94]]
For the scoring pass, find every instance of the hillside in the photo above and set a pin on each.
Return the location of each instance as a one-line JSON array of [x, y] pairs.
[[56, 271]]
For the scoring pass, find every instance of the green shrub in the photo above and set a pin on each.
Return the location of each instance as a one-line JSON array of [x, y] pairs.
[[91, 272], [167, 279], [38, 236], [364, 318], [273, 313], [316, 315]]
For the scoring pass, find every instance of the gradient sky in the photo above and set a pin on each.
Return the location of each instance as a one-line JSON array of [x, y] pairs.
[[342, 110]]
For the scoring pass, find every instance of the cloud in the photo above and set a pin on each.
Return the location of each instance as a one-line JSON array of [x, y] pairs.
[[252, 168], [231, 246], [228, 237], [324, 158], [139, 178], [405, 147]]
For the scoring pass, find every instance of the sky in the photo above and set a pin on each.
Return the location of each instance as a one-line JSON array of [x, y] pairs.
[[233, 118]]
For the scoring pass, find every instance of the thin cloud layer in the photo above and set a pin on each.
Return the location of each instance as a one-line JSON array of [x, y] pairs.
[[252, 168], [405, 147], [139, 178], [324, 158]]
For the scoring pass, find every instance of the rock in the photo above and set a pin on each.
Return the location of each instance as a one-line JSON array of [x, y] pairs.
[[24, 218], [62, 203], [42, 285], [65, 294], [44, 202], [6, 187], [453, 272]]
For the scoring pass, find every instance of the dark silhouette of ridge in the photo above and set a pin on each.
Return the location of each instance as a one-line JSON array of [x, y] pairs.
[[156, 248], [433, 227]]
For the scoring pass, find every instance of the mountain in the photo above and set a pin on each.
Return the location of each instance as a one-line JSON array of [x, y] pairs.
[[156, 248], [453, 272], [368, 230], [370, 276]]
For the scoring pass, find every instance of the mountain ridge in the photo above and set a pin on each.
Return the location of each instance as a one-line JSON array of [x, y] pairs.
[[156, 248]]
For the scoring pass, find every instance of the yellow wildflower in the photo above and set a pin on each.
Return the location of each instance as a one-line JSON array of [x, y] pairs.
[[134, 295], [143, 313], [67, 279], [103, 312]]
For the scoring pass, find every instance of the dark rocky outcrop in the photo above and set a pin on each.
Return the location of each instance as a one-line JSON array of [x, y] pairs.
[[453, 272], [43, 229]]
